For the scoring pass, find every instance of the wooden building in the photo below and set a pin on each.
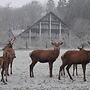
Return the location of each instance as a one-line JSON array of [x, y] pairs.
[[49, 27]]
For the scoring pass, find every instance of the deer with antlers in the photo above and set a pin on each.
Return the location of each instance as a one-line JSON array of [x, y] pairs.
[[9, 47], [7, 59]]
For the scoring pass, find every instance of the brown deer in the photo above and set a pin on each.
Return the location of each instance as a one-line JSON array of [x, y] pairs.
[[3, 67], [75, 65], [10, 60], [75, 57], [45, 56], [9, 47], [4, 60]]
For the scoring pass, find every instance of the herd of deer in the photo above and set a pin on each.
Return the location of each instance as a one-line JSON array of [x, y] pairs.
[[69, 58]]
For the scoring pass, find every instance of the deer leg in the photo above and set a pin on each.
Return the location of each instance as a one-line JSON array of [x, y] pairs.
[[61, 68], [50, 68], [76, 70], [64, 71], [67, 68], [31, 68], [2, 71], [73, 69], [11, 67], [84, 70], [7, 69], [2, 79], [6, 73]]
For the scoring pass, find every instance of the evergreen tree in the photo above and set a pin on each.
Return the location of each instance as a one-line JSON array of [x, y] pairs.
[[50, 7], [61, 8], [75, 9]]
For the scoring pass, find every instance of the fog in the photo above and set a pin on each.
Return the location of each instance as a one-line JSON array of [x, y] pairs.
[[19, 3]]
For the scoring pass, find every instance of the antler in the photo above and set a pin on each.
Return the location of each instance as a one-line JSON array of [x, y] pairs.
[[12, 40]]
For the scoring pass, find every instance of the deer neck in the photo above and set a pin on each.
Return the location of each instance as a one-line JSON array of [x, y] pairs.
[[56, 51]]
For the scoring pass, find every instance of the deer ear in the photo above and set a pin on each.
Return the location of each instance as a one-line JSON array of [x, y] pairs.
[[88, 42], [52, 43], [61, 43], [79, 48]]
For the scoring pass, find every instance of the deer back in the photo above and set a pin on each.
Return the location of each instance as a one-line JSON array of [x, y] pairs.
[[75, 56]]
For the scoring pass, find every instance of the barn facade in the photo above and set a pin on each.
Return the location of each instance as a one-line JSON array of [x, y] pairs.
[[49, 27]]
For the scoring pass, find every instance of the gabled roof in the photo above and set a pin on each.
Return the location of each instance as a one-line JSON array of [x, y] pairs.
[[17, 32], [50, 13]]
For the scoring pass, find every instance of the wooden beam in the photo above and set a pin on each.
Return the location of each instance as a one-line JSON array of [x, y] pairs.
[[40, 33], [40, 30], [60, 28], [30, 36], [50, 27]]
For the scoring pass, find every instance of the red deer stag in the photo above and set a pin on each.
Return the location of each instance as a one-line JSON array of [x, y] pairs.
[[10, 60], [9, 47], [75, 57], [45, 56]]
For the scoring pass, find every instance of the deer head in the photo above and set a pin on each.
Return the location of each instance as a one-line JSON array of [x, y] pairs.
[[56, 44]]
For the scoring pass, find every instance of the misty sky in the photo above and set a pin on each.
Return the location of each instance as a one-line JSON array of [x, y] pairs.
[[19, 3]]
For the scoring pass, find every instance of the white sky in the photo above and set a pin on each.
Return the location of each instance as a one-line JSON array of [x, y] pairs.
[[19, 3]]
